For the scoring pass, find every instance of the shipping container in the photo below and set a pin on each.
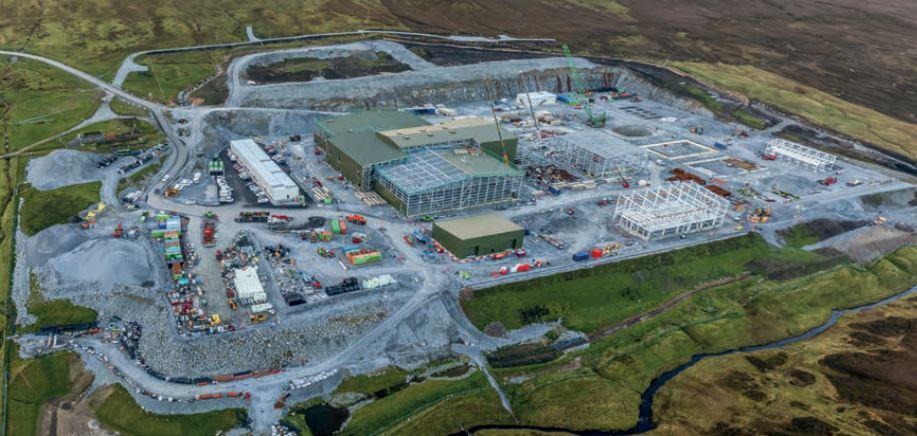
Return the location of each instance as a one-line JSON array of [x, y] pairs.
[[581, 256]]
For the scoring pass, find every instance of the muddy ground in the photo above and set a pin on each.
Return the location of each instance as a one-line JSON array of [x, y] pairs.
[[358, 64]]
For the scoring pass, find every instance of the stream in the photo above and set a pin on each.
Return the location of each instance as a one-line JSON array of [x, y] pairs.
[[645, 420]]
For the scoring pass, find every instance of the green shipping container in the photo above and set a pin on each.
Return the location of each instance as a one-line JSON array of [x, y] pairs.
[[367, 258], [335, 227]]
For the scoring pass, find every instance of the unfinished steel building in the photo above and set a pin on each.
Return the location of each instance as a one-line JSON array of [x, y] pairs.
[[800, 154], [433, 181], [673, 208], [599, 155]]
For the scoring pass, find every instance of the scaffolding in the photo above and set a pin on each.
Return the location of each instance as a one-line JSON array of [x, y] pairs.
[[428, 182], [599, 157], [800, 154], [673, 208]]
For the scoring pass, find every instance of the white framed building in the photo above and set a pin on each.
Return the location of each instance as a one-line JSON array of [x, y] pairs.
[[278, 186], [248, 286], [799, 154], [670, 209]]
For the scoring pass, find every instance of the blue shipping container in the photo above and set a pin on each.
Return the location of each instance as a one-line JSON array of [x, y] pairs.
[[581, 256]]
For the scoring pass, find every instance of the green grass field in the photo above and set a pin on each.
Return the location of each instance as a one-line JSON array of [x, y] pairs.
[[818, 107], [587, 300], [433, 407], [42, 101], [799, 236], [370, 384], [171, 73], [603, 390], [121, 413], [52, 313], [122, 107], [151, 135], [43, 209], [32, 383], [98, 35], [749, 119]]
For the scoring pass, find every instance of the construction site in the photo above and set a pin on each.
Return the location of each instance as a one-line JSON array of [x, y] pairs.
[[329, 224]]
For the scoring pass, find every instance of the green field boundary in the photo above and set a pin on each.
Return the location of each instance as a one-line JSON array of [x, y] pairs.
[[10, 312]]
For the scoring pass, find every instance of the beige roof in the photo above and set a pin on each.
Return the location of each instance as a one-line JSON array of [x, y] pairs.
[[478, 128], [478, 226]]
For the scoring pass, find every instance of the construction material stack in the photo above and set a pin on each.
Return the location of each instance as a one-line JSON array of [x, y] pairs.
[[363, 256]]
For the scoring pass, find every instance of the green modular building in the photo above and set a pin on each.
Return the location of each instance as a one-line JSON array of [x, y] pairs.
[[422, 168], [478, 235]]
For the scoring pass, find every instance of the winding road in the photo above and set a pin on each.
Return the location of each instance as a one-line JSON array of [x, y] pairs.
[[435, 286]]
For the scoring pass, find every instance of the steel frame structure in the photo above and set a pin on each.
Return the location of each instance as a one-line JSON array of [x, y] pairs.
[[800, 154], [672, 208], [593, 162], [426, 183]]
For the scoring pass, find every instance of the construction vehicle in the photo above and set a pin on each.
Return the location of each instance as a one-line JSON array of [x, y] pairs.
[[357, 219], [499, 256], [253, 217], [591, 119], [209, 233], [119, 230], [279, 219], [760, 215], [281, 401], [170, 192], [828, 181]]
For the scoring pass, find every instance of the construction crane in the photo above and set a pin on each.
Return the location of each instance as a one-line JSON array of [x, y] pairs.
[[499, 134], [591, 120], [493, 111]]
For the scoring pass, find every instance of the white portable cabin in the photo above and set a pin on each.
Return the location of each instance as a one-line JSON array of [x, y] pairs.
[[539, 98]]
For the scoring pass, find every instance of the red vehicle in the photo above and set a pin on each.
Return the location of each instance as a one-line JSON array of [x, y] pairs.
[[769, 156], [828, 181], [498, 256]]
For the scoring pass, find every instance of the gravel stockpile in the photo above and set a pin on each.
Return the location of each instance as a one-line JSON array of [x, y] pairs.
[[105, 263], [293, 342], [66, 167]]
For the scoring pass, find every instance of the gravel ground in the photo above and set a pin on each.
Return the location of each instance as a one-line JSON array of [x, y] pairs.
[[114, 262], [66, 167], [447, 85]]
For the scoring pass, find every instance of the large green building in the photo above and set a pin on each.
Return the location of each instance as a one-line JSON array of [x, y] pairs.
[[352, 143], [478, 235], [422, 168]]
